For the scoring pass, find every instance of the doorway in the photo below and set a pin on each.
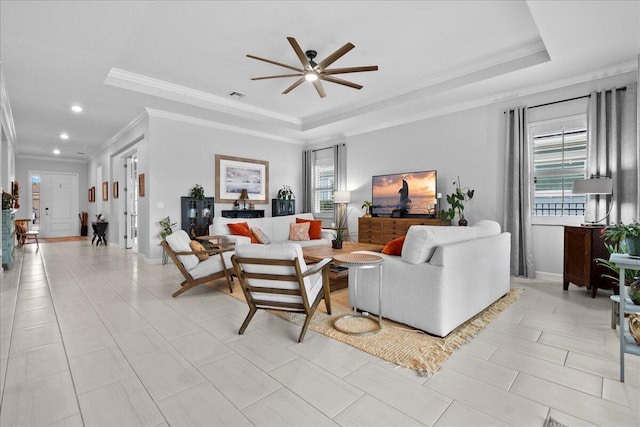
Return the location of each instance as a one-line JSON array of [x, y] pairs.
[[54, 201], [131, 196]]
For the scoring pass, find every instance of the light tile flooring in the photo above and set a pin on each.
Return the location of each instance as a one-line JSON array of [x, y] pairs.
[[91, 336]]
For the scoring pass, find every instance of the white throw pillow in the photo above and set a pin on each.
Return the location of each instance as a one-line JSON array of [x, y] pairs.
[[422, 240]]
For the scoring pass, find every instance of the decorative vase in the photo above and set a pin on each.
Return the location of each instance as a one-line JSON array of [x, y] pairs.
[[634, 291], [633, 245], [634, 327], [462, 222], [336, 244]]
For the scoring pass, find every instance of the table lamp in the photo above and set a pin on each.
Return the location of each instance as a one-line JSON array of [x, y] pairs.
[[595, 185], [244, 195]]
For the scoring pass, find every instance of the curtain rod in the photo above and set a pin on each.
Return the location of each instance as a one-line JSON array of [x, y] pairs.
[[566, 100], [326, 148], [569, 99]]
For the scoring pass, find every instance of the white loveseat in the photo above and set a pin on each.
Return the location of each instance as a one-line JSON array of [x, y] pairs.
[[276, 228], [445, 276]]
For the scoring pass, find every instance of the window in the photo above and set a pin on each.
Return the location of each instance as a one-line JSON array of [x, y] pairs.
[[323, 180], [559, 158]]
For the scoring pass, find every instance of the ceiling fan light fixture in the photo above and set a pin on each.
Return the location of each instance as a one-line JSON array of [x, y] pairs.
[[311, 76]]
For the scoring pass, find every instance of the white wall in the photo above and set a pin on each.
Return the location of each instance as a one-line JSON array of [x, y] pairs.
[[469, 144]]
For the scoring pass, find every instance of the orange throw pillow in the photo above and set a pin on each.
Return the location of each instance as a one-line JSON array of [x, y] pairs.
[[242, 229], [394, 247], [197, 247], [315, 227]]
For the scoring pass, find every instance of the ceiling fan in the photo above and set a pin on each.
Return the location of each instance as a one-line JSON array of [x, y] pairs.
[[314, 72]]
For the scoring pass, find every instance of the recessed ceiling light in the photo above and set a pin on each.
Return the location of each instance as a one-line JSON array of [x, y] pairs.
[[56, 151], [64, 136], [76, 109]]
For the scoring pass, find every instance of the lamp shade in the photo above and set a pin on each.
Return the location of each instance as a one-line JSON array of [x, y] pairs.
[[341, 197], [593, 186]]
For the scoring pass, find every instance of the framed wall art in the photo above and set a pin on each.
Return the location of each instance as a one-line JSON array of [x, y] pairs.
[[234, 174], [141, 185], [115, 189], [105, 191], [92, 194]]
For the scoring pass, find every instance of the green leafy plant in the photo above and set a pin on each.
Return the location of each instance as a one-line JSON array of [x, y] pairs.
[[197, 191], [615, 236], [167, 227], [456, 202], [286, 193]]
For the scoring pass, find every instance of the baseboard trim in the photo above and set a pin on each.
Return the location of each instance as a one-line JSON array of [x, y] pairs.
[[553, 277]]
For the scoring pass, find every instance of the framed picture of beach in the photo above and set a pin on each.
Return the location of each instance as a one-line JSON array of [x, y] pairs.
[[234, 174]]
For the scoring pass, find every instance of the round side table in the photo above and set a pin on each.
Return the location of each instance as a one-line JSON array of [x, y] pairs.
[[356, 262]]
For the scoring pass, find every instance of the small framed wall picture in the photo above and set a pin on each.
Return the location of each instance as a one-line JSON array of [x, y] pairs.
[[105, 191], [115, 189], [90, 196], [141, 185]]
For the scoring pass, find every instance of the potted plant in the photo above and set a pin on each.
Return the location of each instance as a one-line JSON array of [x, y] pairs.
[[167, 227], [197, 192], [626, 235], [286, 193], [456, 203], [342, 230], [367, 205]]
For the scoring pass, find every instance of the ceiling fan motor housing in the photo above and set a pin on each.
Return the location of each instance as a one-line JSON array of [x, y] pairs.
[[311, 54]]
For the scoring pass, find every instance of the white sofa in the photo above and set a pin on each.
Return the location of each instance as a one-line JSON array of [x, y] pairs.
[[276, 228], [445, 276]]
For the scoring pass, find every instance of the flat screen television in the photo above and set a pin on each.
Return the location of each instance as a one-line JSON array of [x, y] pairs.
[[404, 194]]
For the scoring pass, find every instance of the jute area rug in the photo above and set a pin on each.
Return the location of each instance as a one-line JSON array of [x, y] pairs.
[[396, 343], [62, 239]]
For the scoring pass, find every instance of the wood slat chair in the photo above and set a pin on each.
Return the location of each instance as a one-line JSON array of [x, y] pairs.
[[23, 234], [277, 277], [196, 271]]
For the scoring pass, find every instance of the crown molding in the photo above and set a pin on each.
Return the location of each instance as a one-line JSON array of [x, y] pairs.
[[217, 125], [162, 89], [118, 135], [619, 69], [7, 115], [527, 56], [50, 159]]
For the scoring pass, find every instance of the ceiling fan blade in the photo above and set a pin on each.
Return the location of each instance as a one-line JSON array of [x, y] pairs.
[[335, 56], [301, 56], [276, 77], [319, 88], [275, 63], [340, 81], [351, 70], [293, 86]]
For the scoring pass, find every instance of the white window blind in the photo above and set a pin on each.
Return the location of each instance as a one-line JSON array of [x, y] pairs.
[[559, 158], [323, 181]]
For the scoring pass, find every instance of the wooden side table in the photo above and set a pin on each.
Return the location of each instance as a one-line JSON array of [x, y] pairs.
[[582, 245], [360, 261]]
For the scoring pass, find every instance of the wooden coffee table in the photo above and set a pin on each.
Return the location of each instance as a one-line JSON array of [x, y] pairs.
[[338, 276]]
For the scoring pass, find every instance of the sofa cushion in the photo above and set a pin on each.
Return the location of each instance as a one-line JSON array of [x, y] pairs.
[[180, 242], [299, 231], [242, 229], [197, 247], [422, 240], [315, 227], [260, 235], [394, 247], [486, 228]]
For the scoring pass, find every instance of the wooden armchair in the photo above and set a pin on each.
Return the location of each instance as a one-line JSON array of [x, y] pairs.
[[23, 234], [276, 277], [197, 266]]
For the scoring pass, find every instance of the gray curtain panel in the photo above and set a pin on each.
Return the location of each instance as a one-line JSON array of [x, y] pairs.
[[307, 178], [613, 152], [340, 172], [517, 194]]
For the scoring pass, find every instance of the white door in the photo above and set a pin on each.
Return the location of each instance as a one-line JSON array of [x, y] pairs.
[[59, 205], [131, 194]]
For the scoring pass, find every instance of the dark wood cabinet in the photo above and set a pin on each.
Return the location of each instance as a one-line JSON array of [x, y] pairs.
[[197, 215], [381, 230], [582, 245], [280, 207], [243, 213]]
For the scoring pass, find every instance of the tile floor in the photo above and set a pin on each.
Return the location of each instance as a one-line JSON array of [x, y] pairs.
[[91, 336]]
